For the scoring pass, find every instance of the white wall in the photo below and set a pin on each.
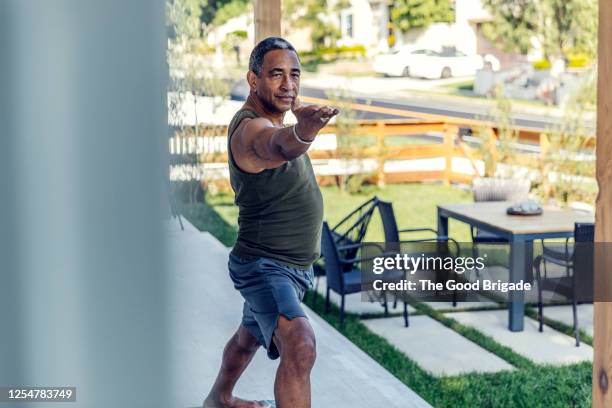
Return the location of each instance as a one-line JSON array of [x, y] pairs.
[[460, 34], [439, 35], [364, 30], [466, 10], [84, 290], [298, 37], [239, 23]]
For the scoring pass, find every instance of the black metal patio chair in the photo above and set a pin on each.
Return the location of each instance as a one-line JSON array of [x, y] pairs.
[[575, 282], [392, 235], [352, 228], [347, 233], [343, 275]]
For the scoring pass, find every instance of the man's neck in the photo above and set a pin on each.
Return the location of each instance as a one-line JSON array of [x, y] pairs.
[[254, 103]]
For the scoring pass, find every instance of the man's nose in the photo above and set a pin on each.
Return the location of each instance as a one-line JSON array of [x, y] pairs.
[[287, 83]]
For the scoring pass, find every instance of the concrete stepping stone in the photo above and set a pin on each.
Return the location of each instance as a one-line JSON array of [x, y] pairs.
[[355, 304], [497, 272], [436, 348], [565, 315], [548, 347], [448, 306]]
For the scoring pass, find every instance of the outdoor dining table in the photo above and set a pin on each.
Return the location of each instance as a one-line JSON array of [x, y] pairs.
[[520, 231]]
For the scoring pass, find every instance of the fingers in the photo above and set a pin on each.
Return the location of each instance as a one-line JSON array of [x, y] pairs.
[[304, 110], [320, 110], [317, 115], [313, 118], [296, 104], [326, 113]]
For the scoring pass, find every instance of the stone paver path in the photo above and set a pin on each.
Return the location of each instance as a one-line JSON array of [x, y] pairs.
[[548, 347], [435, 347], [354, 303]]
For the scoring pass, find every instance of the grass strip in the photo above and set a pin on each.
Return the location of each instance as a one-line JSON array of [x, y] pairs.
[[530, 385], [559, 326]]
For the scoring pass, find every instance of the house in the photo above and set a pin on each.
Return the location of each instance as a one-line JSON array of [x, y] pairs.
[[368, 22], [298, 37], [365, 22]]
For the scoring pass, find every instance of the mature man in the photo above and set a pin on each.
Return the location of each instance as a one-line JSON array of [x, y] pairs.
[[280, 218]]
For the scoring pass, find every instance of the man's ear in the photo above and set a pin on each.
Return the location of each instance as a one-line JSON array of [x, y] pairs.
[[252, 80]]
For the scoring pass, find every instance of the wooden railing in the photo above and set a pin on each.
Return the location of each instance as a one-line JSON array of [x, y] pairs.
[[451, 146]]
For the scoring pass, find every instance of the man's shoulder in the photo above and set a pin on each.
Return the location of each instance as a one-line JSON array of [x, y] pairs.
[[246, 112], [238, 119]]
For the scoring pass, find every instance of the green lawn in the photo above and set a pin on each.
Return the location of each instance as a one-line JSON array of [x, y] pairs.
[[461, 86], [407, 140], [530, 385], [414, 205], [369, 140]]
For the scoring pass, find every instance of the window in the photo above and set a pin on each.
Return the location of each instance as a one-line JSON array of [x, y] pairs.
[[348, 25]]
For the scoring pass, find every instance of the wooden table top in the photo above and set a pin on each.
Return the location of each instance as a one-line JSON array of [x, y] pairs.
[[552, 220]]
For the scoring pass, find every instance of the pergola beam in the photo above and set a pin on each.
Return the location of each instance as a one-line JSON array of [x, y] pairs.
[[602, 359], [267, 19]]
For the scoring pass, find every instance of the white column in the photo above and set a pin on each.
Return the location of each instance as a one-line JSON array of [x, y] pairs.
[[83, 290]]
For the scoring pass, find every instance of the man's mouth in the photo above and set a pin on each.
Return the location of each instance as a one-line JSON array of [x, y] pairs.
[[286, 98]]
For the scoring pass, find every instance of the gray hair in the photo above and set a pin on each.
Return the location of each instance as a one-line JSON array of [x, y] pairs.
[[261, 49]]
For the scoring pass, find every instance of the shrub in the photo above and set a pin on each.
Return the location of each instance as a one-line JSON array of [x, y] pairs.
[[345, 51], [541, 64], [578, 61]]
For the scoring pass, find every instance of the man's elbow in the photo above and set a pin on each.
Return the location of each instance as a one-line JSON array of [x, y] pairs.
[[282, 151], [288, 155]]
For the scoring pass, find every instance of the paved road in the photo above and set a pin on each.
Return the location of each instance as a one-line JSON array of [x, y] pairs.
[[476, 109], [431, 104]]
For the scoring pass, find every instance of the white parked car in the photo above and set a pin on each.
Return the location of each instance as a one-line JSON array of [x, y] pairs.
[[426, 63], [396, 62]]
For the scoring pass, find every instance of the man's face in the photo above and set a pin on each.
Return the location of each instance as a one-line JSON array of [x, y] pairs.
[[279, 82]]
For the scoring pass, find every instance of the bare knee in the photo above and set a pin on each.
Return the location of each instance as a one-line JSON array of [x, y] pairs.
[[245, 341], [302, 353], [297, 344]]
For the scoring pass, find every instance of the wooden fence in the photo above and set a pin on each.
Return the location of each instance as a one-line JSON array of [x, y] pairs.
[[452, 145]]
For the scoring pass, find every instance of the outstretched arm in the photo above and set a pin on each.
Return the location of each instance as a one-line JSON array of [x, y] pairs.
[[258, 145]]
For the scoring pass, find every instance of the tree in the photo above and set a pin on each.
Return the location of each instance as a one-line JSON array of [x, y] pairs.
[[225, 10], [192, 76], [568, 161], [348, 146], [191, 15], [184, 17], [409, 14], [499, 147], [315, 15], [561, 27]]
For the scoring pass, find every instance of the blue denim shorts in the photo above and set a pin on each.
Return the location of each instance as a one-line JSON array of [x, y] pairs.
[[269, 289]]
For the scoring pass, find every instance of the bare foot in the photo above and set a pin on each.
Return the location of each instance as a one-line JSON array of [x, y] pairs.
[[232, 402]]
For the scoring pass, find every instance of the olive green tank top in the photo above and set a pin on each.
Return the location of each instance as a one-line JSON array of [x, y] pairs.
[[280, 210]]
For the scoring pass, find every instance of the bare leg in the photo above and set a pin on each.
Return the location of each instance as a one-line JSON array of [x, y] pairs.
[[237, 355], [295, 341]]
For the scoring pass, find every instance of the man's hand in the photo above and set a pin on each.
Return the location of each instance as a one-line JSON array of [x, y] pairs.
[[311, 118], [258, 144]]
